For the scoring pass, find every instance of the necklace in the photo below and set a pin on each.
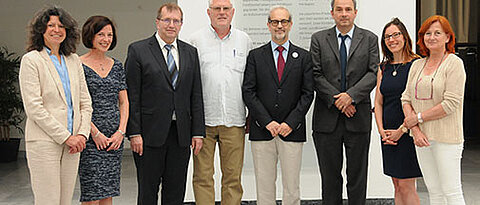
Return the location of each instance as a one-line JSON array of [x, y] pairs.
[[395, 68], [436, 69]]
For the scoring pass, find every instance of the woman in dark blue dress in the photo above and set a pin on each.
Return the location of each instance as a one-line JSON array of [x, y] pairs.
[[398, 150], [100, 162]]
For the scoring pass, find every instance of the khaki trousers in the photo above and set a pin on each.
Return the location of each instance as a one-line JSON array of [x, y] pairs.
[[265, 157], [53, 172], [231, 143]]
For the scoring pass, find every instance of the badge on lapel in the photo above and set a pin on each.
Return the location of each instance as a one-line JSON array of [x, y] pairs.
[[295, 54]]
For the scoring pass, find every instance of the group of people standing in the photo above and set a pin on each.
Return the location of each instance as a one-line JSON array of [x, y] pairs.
[[174, 98]]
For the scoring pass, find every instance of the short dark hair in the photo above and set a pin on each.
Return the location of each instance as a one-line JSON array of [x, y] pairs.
[[38, 26], [332, 3], [92, 26], [169, 7]]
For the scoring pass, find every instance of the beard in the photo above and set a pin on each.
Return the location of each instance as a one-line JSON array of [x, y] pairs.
[[280, 36]]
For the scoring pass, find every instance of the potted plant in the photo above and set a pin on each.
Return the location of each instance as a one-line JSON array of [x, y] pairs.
[[11, 107]]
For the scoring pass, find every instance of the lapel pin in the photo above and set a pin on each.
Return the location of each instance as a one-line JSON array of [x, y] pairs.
[[295, 55]]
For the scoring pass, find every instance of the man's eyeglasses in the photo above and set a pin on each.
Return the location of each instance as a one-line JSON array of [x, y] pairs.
[[219, 8], [284, 22], [393, 35], [167, 21]]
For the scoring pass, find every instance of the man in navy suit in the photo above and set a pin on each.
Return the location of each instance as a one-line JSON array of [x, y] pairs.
[[278, 90], [166, 109]]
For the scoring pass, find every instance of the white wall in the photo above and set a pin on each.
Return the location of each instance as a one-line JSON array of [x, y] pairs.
[[372, 15], [135, 21]]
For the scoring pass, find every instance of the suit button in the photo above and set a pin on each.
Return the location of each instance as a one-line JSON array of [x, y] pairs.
[[279, 91], [338, 80], [276, 105]]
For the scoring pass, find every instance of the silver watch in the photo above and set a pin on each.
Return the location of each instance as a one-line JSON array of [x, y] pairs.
[[419, 117]]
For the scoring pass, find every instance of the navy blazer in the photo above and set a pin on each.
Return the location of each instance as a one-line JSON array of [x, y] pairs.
[[269, 100], [153, 99]]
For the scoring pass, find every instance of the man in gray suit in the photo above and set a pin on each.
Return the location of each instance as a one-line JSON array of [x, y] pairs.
[[345, 61]]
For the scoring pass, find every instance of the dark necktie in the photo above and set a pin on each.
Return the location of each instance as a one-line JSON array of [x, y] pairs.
[[343, 63], [172, 67], [280, 62]]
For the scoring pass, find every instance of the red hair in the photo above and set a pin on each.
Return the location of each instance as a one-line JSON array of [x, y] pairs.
[[450, 46]]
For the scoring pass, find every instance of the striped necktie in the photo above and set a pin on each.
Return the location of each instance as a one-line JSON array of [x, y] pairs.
[[172, 67]]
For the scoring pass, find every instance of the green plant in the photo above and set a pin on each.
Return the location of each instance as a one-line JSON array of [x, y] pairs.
[[11, 106]]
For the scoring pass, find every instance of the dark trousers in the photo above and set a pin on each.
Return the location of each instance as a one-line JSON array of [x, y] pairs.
[[329, 147], [166, 165]]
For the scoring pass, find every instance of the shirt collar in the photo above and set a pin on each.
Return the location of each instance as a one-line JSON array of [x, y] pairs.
[[349, 33], [216, 35], [49, 52], [162, 43], [286, 45]]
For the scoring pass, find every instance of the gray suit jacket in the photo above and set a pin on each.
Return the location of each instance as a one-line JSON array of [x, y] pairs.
[[362, 66]]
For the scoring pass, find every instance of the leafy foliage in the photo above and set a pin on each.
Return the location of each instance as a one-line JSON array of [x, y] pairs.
[[11, 106]]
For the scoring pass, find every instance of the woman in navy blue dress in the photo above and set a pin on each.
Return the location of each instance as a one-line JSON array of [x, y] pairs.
[[398, 150], [100, 162]]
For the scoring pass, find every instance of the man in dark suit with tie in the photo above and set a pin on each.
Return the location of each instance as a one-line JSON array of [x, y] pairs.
[[345, 61], [166, 109], [278, 90]]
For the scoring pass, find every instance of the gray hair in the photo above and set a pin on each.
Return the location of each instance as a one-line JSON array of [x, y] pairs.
[[290, 16], [210, 2], [354, 4]]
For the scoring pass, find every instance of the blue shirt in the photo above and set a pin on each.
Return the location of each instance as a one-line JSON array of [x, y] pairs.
[[348, 41], [63, 73], [286, 46]]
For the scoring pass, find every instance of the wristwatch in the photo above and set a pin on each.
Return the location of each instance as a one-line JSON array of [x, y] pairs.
[[419, 117], [403, 129]]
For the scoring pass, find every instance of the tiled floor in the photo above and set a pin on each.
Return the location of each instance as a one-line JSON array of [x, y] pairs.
[[15, 184]]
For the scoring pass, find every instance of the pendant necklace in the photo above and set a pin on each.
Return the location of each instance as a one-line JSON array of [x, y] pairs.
[[395, 68]]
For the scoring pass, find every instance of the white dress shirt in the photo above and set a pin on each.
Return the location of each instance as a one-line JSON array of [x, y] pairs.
[[276, 53], [174, 49], [222, 63], [348, 41]]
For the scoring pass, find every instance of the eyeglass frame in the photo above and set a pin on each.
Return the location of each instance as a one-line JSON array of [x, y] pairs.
[[167, 21], [393, 35], [275, 23]]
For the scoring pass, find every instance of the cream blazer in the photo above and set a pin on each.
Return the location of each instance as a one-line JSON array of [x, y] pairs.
[[44, 98]]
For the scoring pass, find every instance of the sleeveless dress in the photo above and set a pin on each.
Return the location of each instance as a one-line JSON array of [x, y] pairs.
[[399, 161], [99, 170]]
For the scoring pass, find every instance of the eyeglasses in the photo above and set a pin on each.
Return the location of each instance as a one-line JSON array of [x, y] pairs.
[[167, 21], [393, 35], [284, 22], [431, 90], [219, 8]]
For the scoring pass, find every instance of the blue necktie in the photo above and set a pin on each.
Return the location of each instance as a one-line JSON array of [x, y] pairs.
[[343, 63], [172, 67]]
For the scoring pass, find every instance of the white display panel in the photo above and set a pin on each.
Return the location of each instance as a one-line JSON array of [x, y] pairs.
[[309, 16]]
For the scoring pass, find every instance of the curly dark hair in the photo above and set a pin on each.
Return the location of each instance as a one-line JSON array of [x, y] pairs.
[[92, 26], [38, 26]]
